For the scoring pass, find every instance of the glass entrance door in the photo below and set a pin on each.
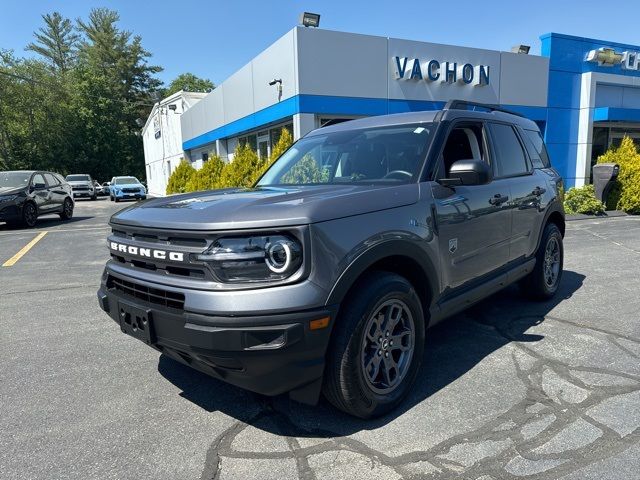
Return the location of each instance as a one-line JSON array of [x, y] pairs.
[[263, 146]]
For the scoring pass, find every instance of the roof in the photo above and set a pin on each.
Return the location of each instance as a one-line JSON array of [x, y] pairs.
[[425, 117]]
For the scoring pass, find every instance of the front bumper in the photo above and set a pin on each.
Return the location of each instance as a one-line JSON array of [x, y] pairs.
[[125, 196], [269, 354], [83, 193], [10, 212]]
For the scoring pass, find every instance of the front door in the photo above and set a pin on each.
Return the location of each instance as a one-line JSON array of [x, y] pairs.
[[473, 222], [40, 192]]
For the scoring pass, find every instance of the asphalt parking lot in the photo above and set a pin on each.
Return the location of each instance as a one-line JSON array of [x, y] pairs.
[[509, 389]]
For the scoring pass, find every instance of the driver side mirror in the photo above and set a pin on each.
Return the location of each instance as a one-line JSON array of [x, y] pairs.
[[468, 172]]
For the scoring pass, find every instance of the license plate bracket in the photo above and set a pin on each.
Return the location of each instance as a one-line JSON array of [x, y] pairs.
[[136, 321]]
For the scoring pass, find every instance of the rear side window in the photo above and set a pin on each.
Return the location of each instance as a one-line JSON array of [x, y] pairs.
[[60, 178], [537, 151], [510, 159], [51, 180]]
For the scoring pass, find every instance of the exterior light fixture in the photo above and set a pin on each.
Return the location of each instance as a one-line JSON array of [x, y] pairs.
[[277, 81], [523, 49], [173, 106], [310, 19]]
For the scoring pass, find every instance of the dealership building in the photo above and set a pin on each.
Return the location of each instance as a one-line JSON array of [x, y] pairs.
[[583, 93]]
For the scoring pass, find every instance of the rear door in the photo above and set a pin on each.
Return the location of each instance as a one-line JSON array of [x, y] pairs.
[[474, 221], [513, 165]]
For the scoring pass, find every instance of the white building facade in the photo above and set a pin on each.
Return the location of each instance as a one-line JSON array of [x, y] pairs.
[[583, 93], [162, 139]]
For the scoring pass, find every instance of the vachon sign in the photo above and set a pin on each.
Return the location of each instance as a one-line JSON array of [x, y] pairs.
[[446, 72]]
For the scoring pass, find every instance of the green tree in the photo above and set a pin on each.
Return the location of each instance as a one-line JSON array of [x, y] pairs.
[[180, 177], [189, 83], [306, 170], [242, 170], [115, 87], [56, 41], [626, 192], [208, 177]]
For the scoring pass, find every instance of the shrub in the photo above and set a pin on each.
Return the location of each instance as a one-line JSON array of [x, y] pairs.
[[241, 172], [625, 194], [180, 177], [582, 200], [283, 143], [306, 171], [208, 177]]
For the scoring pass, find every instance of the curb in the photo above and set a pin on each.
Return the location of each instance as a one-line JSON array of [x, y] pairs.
[[605, 215]]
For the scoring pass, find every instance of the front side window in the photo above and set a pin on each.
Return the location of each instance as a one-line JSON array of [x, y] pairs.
[[371, 155], [464, 142], [510, 159], [38, 180]]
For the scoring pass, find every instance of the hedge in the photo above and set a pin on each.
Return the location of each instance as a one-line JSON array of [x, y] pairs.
[[625, 194], [245, 169], [582, 200]]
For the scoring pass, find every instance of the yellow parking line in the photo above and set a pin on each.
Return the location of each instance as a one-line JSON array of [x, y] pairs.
[[24, 250]]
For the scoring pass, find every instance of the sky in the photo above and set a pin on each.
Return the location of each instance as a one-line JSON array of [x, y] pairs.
[[214, 38]]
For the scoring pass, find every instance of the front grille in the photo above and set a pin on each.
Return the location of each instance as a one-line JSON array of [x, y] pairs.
[[156, 296], [187, 242], [80, 187], [130, 190]]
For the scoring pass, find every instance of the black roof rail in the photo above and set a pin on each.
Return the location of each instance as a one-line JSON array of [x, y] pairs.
[[464, 105]]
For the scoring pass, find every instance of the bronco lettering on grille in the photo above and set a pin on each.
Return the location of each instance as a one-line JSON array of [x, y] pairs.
[[147, 252]]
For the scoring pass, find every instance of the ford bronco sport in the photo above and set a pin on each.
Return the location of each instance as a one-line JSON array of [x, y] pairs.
[[324, 276]]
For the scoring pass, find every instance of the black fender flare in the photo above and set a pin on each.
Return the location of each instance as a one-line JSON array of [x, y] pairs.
[[555, 207], [390, 248]]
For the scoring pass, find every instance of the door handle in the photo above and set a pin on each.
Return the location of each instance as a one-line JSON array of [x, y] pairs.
[[498, 199], [538, 191]]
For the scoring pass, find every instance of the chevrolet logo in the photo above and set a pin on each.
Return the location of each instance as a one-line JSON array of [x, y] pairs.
[[605, 56]]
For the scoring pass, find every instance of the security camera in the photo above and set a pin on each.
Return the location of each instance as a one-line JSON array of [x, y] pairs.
[[274, 81]]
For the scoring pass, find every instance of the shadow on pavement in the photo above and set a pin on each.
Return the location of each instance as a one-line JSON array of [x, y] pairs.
[[453, 348], [45, 222]]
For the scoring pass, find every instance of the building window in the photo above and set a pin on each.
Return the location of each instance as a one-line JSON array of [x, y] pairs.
[[205, 157]]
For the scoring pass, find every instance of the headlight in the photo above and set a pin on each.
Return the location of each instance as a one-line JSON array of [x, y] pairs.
[[8, 198], [254, 259]]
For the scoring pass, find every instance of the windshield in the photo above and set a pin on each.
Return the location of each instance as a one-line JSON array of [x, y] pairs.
[[78, 178], [374, 155], [125, 180], [14, 179]]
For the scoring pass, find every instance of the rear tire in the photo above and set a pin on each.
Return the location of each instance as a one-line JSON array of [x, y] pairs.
[[542, 283], [366, 374], [29, 215], [67, 209]]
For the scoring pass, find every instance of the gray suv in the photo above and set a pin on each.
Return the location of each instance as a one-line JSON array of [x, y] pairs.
[[324, 277]]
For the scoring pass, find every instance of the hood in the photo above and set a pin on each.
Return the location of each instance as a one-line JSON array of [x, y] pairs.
[[11, 190], [265, 207]]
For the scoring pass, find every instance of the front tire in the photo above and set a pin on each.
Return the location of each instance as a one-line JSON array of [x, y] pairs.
[[29, 215], [542, 283], [377, 346], [67, 209]]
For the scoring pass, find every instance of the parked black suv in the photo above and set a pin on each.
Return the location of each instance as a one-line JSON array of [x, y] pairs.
[[326, 274], [25, 195]]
